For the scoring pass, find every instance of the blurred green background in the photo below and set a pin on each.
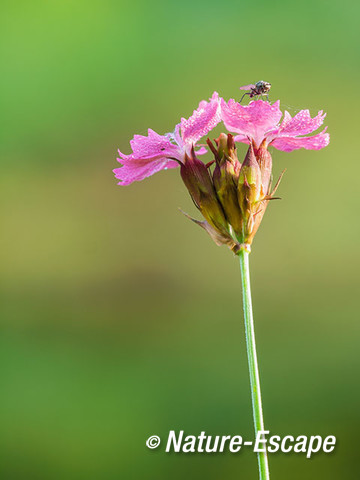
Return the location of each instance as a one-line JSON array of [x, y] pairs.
[[119, 318]]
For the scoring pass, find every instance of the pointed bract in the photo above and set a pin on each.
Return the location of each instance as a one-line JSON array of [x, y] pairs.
[[220, 238]]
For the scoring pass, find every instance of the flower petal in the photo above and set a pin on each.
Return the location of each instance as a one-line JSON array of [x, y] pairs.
[[154, 145], [242, 138], [204, 119], [202, 150], [301, 124], [252, 120], [316, 142], [150, 155], [138, 169]]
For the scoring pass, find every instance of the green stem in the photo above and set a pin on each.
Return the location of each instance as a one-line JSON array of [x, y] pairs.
[[252, 359]]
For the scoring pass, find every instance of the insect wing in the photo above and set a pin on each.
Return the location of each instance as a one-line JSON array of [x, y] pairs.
[[247, 87]]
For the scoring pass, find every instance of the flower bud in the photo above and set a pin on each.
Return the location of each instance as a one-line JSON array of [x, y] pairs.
[[264, 160], [249, 179], [197, 180], [249, 194], [225, 179], [225, 145]]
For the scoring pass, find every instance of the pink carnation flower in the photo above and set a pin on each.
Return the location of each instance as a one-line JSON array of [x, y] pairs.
[[259, 122], [158, 152], [232, 196]]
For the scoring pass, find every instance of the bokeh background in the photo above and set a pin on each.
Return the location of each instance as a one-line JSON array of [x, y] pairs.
[[120, 318]]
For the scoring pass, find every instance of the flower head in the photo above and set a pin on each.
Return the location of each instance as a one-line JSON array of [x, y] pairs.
[[232, 197], [158, 152]]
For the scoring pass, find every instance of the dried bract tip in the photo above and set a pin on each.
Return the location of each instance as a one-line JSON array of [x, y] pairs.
[[220, 238]]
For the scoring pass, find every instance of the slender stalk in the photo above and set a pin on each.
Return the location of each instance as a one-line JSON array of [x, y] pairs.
[[252, 359]]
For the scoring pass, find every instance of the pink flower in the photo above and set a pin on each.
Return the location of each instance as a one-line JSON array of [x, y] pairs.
[[232, 197], [158, 152], [259, 122]]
